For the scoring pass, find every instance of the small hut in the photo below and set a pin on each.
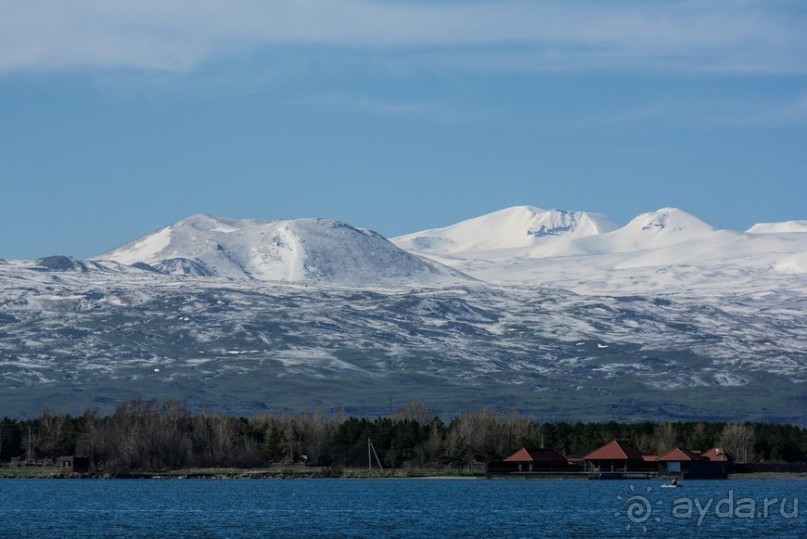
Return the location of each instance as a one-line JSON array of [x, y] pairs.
[[73, 464], [531, 461]]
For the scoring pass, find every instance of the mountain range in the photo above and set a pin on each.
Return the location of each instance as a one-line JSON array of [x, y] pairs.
[[663, 251], [558, 314]]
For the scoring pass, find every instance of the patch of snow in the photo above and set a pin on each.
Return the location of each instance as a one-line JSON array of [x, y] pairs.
[[729, 380], [795, 264], [146, 248]]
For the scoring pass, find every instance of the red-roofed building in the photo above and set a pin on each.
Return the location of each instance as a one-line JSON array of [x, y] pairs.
[[522, 455], [532, 461], [677, 461], [679, 454], [717, 454], [618, 457], [616, 450], [685, 463]]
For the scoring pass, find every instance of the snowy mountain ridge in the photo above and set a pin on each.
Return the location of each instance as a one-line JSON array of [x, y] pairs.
[[664, 251], [785, 227], [519, 227], [557, 313], [668, 250], [529, 231], [297, 250]]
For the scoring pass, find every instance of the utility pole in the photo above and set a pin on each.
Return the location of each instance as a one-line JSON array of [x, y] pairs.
[[28, 454], [510, 440], [370, 453]]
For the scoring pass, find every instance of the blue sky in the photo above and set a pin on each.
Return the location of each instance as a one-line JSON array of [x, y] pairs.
[[117, 118]]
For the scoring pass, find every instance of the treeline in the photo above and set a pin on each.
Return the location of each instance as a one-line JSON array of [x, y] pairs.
[[151, 435]]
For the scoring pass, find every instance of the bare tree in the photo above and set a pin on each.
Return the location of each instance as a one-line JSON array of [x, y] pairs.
[[456, 445], [30, 442], [214, 438], [224, 438], [52, 433], [665, 437], [738, 440], [433, 445], [341, 415], [417, 411], [519, 432], [317, 433], [91, 440]]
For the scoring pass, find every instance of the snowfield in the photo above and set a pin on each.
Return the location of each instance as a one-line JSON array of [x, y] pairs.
[[667, 251], [561, 315]]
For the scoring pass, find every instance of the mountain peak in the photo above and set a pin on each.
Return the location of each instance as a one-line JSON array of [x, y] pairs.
[[576, 223], [297, 250], [669, 220], [206, 223], [510, 228]]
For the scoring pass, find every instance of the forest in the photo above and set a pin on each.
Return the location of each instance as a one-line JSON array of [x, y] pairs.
[[152, 435]]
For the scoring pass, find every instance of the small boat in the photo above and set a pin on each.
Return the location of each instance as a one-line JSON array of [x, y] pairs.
[[672, 484]]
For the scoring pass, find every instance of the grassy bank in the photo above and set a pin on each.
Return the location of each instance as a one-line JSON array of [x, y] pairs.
[[274, 472]]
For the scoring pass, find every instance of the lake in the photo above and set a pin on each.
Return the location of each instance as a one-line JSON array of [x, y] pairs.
[[405, 508]]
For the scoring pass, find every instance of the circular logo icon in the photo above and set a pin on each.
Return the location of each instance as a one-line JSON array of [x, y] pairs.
[[638, 508]]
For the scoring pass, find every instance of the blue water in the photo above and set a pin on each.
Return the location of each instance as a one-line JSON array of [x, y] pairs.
[[399, 508]]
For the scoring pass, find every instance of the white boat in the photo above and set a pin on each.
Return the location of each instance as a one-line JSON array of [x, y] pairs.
[[671, 484]]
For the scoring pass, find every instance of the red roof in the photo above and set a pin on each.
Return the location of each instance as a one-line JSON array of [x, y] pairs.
[[615, 450], [717, 454], [522, 455], [679, 454], [535, 455]]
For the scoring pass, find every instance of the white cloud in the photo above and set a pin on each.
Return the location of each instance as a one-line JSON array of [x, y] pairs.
[[725, 112], [181, 35]]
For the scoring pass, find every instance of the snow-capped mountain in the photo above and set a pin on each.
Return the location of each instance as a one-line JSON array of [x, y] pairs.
[[298, 250], [532, 232], [668, 250], [653, 230], [665, 317], [519, 227]]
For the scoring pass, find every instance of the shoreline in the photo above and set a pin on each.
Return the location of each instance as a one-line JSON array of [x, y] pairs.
[[260, 473], [223, 474]]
